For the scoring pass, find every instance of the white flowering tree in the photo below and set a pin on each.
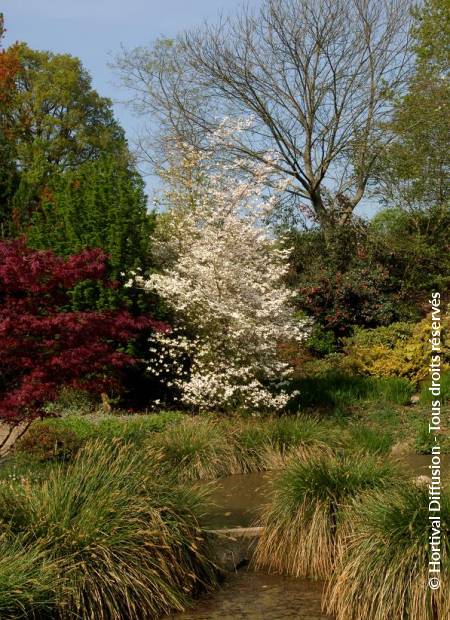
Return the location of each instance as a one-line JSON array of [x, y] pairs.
[[225, 286]]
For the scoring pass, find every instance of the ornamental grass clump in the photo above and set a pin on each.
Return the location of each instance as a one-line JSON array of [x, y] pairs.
[[251, 445], [299, 433], [127, 541], [28, 580], [196, 449], [383, 571], [362, 438], [304, 529], [265, 444]]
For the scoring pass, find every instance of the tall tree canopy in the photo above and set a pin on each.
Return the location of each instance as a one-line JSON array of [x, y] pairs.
[[414, 172], [67, 178], [53, 121], [313, 76], [99, 204], [9, 68]]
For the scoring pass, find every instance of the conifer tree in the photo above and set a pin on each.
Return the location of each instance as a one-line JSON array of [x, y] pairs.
[[101, 204]]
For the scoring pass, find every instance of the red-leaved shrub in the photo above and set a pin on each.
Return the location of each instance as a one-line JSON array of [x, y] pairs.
[[44, 346]]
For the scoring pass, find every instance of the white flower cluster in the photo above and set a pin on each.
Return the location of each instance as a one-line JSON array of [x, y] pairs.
[[225, 285]]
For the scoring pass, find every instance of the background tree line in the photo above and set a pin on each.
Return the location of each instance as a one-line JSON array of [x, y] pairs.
[[348, 102], [346, 105], [68, 180]]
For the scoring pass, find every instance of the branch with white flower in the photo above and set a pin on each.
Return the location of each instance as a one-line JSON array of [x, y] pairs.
[[225, 284]]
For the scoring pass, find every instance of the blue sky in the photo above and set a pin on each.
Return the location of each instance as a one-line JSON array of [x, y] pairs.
[[95, 30]]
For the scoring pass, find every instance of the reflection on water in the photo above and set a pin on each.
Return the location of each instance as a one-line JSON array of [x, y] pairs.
[[255, 596], [237, 499]]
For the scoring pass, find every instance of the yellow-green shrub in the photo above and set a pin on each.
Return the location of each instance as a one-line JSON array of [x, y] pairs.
[[399, 350]]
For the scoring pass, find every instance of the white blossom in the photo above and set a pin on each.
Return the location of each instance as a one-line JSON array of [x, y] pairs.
[[225, 283]]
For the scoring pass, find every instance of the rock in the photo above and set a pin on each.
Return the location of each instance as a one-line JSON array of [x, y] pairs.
[[233, 548]]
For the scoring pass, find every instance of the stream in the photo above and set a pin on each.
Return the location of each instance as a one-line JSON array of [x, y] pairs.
[[250, 595], [237, 499]]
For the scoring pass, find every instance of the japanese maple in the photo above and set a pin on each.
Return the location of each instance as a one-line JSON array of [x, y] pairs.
[[44, 346]]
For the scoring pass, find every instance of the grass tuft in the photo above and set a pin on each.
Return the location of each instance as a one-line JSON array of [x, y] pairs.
[[340, 392], [424, 440], [28, 580], [364, 438], [196, 449], [265, 444], [383, 571], [127, 540], [426, 396], [303, 525]]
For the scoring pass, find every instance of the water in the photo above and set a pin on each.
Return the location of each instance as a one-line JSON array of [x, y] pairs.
[[255, 596], [237, 499], [418, 464], [251, 595]]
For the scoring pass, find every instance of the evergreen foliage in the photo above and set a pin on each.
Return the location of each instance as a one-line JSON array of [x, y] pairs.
[[100, 204]]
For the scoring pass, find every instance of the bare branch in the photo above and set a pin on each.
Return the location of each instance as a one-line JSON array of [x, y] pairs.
[[316, 76]]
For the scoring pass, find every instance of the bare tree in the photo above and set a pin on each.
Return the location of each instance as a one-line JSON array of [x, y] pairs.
[[316, 76]]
